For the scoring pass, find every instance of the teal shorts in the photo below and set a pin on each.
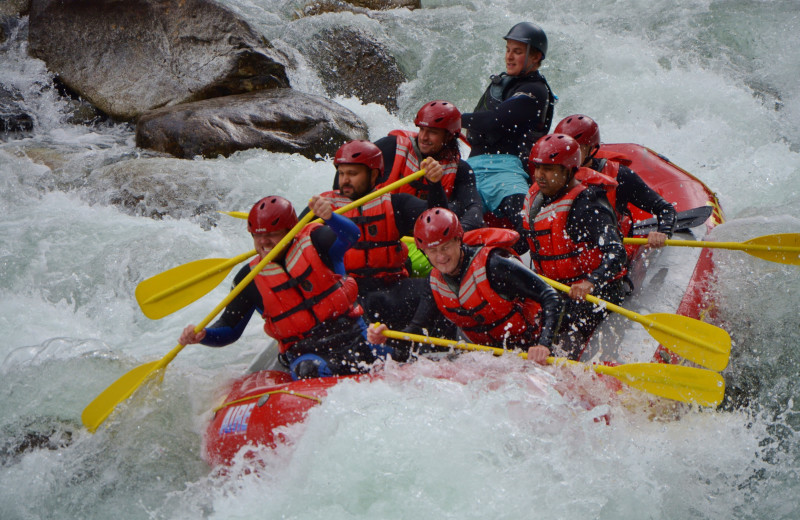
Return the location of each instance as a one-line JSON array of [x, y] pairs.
[[497, 177]]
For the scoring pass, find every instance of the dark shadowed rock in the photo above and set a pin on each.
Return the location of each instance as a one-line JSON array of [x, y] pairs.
[[355, 6], [34, 434], [127, 57], [280, 120], [350, 64], [14, 7], [14, 119]]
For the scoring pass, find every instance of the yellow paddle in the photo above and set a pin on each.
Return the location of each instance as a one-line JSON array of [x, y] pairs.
[[699, 342], [676, 382], [102, 405], [174, 289], [782, 248]]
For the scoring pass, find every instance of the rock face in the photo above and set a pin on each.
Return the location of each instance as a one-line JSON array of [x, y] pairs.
[[351, 64], [355, 6], [280, 120], [14, 7], [130, 56]]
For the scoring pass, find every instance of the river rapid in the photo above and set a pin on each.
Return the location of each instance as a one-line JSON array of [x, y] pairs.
[[710, 84]]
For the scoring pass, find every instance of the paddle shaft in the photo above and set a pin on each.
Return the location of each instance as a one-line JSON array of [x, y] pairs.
[[638, 318], [685, 384], [736, 246]]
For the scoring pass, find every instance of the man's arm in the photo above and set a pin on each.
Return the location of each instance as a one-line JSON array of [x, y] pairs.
[[334, 239], [231, 324], [511, 279], [388, 147], [633, 190], [466, 202], [592, 220]]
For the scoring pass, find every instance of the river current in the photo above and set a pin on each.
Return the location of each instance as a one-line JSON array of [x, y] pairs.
[[710, 84]]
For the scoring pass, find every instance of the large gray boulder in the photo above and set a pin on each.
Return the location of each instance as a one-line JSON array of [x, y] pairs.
[[279, 120], [351, 64], [130, 56], [14, 7]]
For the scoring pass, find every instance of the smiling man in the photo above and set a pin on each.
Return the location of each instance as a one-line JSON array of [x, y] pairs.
[[515, 110], [481, 285], [308, 303], [439, 124]]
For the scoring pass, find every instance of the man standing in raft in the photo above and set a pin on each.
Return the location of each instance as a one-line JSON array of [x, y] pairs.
[[631, 189], [307, 302], [378, 260], [439, 124], [573, 235], [480, 284], [513, 113]]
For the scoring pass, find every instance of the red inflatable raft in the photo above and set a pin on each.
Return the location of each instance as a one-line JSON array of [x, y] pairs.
[[672, 279]]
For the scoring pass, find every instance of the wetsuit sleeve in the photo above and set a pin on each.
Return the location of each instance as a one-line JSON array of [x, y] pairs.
[[408, 207], [633, 190], [466, 202], [231, 324], [333, 240], [592, 220], [512, 280], [388, 147]]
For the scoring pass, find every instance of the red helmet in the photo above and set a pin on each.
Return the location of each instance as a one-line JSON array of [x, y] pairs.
[[582, 128], [360, 152], [555, 149], [436, 226], [439, 114], [271, 214]]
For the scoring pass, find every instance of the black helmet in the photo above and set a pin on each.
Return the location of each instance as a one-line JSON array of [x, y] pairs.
[[530, 34]]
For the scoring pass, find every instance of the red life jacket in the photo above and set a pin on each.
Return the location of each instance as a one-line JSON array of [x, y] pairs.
[[553, 252], [379, 252], [484, 315], [406, 162], [303, 294]]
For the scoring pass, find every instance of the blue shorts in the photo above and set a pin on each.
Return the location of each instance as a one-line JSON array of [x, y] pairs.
[[497, 177]]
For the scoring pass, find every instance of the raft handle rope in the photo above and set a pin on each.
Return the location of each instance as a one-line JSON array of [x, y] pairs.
[[265, 394]]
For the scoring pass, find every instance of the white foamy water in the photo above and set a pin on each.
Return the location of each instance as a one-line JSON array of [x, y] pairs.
[[711, 85]]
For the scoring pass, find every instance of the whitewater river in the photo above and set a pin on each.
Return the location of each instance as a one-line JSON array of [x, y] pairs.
[[712, 85]]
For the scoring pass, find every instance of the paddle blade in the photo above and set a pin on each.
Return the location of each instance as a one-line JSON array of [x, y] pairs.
[[102, 405], [167, 292], [680, 383], [699, 342], [791, 240]]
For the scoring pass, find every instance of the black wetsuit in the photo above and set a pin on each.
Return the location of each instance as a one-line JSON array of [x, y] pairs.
[[464, 202], [510, 279], [633, 190], [592, 220], [513, 113]]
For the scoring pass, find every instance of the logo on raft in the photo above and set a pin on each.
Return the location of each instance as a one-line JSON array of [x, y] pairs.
[[236, 419]]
